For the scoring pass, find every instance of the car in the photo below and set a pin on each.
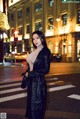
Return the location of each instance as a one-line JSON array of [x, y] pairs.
[[56, 57], [9, 57], [18, 57]]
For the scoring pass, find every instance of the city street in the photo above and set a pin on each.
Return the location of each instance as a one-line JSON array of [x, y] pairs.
[[63, 85], [28, 30]]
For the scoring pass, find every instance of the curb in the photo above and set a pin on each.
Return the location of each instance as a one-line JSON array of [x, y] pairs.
[[10, 64]]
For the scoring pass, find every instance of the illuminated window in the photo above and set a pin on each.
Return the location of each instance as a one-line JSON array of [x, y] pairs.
[[50, 23], [64, 19], [38, 26], [38, 6], [50, 3]]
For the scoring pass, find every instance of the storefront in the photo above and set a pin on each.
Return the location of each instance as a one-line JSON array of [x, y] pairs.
[[68, 47]]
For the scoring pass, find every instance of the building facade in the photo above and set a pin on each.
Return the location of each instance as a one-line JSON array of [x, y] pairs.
[[59, 21], [4, 26]]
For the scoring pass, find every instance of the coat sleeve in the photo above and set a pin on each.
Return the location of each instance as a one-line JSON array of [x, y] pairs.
[[45, 66]]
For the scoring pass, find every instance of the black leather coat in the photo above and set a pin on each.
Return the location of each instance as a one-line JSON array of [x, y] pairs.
[[37, 90]]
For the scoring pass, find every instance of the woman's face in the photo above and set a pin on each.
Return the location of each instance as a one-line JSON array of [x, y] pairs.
[[36, 40]]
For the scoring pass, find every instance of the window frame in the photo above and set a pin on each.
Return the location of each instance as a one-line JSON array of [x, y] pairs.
[[38, 6], [19, 14], [37, 24], [12, 16], [50, 3], [27, 28], [50, 25], [27, 11], [78, 16], [64, 18]]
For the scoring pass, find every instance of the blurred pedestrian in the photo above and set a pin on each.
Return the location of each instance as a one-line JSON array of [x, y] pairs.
[[38, 66]]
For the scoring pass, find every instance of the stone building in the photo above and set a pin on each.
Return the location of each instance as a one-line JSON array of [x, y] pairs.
[[60, 21]]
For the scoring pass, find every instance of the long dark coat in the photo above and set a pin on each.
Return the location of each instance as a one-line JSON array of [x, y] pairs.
[[37, 90]]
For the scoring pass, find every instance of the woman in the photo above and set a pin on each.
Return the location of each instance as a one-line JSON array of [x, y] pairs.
[[38, 66]]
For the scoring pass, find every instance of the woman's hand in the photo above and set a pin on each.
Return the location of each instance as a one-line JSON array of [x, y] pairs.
[[23, 74], [26, 74]]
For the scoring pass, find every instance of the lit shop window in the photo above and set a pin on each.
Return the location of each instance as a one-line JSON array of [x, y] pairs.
[[50, 2], [64, 19], [38, 26], [38, 6]]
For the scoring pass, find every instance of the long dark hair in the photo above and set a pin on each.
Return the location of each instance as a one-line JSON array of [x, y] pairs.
[[41, 36]]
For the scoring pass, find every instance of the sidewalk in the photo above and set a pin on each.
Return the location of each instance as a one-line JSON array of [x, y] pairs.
[[49, 114], [52, 63]]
